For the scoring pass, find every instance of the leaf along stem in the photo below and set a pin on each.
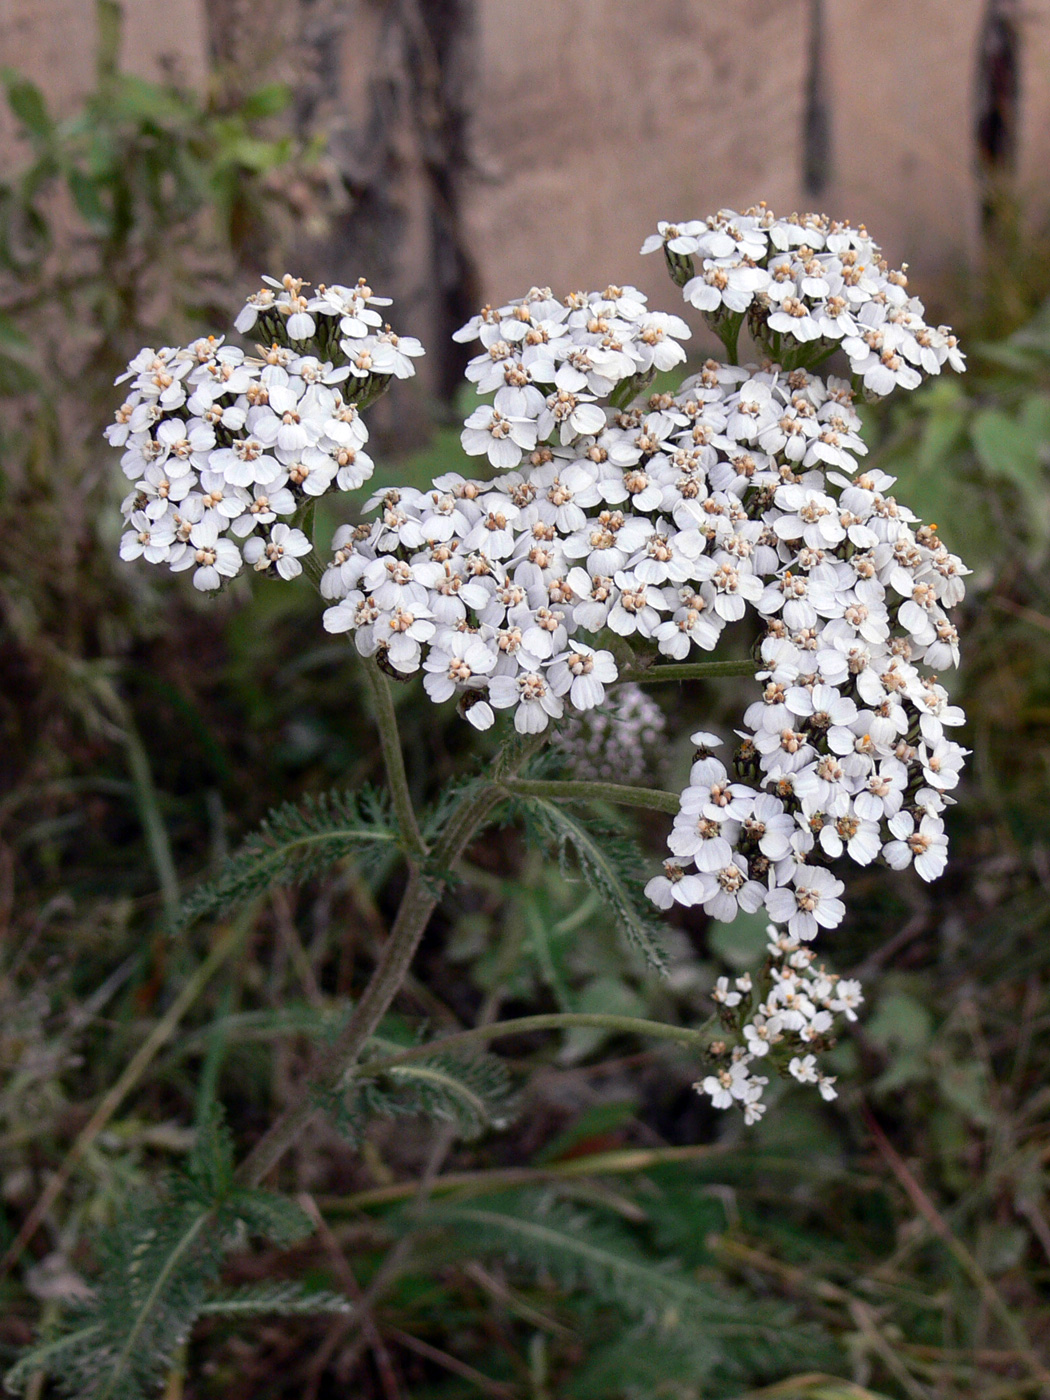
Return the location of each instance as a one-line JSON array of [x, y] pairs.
[[651, 798]]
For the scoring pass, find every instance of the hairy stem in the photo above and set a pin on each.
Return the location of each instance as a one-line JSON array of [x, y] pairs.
[[652, 798], [394, 760], [418, 903]]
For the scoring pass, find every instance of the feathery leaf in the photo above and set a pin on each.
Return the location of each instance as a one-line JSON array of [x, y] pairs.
[[280, 1298], [471, 1091], [610, 864], [159, 1262], [293, 843]]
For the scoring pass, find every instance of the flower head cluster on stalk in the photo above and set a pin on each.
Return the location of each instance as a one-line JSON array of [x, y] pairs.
[[615, 513], [225, 448]]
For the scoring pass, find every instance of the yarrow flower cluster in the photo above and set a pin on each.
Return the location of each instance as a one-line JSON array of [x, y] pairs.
[[224, 449], [820, 283], [620, 524]]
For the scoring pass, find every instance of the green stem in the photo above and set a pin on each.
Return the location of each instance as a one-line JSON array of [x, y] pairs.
[[652, 798], [523, 1025], [693, 671], [729, 334], [394, 760], [418, 903]]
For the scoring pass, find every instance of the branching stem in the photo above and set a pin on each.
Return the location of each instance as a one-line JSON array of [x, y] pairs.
[[417, 905]]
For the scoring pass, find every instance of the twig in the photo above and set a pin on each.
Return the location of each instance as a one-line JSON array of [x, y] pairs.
[[458, 1368], [869, 1329], [384, 1365]]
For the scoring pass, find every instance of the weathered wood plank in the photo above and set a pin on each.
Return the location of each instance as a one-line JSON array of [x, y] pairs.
[[594, 118], [901, 79]]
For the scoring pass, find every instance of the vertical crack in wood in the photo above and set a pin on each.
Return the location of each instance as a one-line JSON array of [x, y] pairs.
[[996, 132], [998, 88], [816, 120]]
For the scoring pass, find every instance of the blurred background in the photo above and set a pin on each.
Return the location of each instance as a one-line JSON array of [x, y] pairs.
[[154, 161]]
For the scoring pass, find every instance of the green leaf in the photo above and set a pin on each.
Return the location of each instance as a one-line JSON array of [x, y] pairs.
[[900, 1022], [293, 843], [86, 197], [1004, 445], [604, 995], [44, 1356], [1015, 448], [611, 865], [283, 1299], [137, 100], [27, 103], [267, 101], [582, 1252], [160, 1262], [474, 1092], [11, 338], [274, 1217]]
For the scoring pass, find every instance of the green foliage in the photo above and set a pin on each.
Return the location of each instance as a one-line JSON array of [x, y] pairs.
[[683, 1330], [295, 842], [273, 1299], [608, 861], [973, 453], [158, 1264], [472, 1092], [138, 162]]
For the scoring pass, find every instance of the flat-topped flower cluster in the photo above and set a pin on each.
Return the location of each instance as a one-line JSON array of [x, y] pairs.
[[622, 527], [224, 448], [809, 280]]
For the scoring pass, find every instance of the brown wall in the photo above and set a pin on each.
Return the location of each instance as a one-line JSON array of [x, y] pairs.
[[493, 144]]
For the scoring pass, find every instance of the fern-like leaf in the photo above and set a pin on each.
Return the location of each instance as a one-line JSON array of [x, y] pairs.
[[273, 1217], [582, 1252], [157, 1265], [160, 1262], [293, 843], [472, 1092], [280, 1299], [610, 864]]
